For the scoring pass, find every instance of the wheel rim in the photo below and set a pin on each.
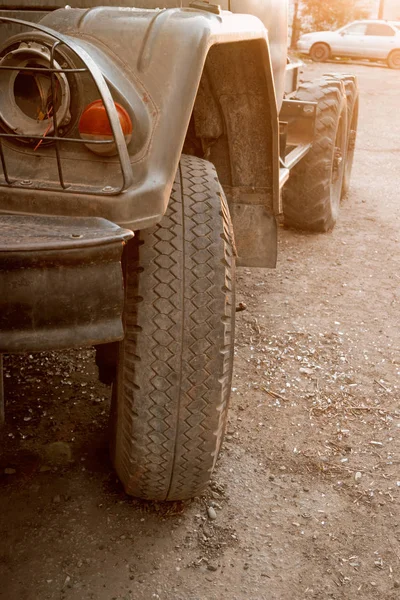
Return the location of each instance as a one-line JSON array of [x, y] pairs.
[[319, 52], [395, 60], [351, 142], [338, 161]]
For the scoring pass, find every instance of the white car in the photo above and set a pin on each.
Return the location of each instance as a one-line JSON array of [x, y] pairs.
[[379, 40]]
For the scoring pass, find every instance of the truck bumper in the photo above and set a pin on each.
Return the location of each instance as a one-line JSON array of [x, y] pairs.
[[61, 282]]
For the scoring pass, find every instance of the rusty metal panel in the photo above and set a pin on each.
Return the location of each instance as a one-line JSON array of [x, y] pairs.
[[300, 119]]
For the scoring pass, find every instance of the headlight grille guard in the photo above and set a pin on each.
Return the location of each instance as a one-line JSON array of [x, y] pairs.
[[118, 139]]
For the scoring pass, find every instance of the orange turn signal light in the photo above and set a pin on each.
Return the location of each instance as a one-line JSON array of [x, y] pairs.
[[94, 125]]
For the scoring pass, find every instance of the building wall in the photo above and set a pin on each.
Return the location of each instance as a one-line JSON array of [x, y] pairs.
[[392, 10]]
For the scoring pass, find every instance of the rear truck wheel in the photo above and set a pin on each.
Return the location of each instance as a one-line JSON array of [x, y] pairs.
[[311, 197], [320, 52], [171, 392], [393, 60], [352, 95]]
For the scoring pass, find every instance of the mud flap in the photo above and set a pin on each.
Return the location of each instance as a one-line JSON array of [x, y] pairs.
[[256, 235]]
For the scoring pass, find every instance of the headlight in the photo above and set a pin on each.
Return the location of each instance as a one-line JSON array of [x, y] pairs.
[[26, 99]]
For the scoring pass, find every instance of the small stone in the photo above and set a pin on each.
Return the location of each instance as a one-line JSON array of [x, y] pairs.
[[396, 584], [358, 476], [241, 306], [271, 477], [44, 469], [211, 513], [306, 370], [57, 499], [212, 567], [9, 471]]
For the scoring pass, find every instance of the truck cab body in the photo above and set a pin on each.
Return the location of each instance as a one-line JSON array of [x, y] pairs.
[[143, 155]]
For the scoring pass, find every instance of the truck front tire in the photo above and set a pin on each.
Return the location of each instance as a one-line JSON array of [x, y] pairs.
[[312, 195], [174, 372]]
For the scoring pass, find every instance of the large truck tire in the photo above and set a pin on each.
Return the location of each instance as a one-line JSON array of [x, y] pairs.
[[350, 83], [311, 197], [174, 373]]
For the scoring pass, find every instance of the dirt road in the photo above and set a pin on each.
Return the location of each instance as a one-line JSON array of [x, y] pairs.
[[307, 490]]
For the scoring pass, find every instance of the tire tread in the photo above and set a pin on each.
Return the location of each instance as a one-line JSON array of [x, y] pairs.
[[307, 201], [176, 369]]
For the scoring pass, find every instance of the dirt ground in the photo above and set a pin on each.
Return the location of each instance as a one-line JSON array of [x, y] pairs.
[[307, 488]]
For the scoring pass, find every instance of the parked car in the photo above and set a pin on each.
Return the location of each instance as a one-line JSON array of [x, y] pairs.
[[379, 40]]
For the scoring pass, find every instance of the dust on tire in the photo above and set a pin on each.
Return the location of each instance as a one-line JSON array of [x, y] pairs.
[[173, 383], [312, 195]]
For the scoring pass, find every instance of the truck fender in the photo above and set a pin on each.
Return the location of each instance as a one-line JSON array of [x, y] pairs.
[[204, 79]]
